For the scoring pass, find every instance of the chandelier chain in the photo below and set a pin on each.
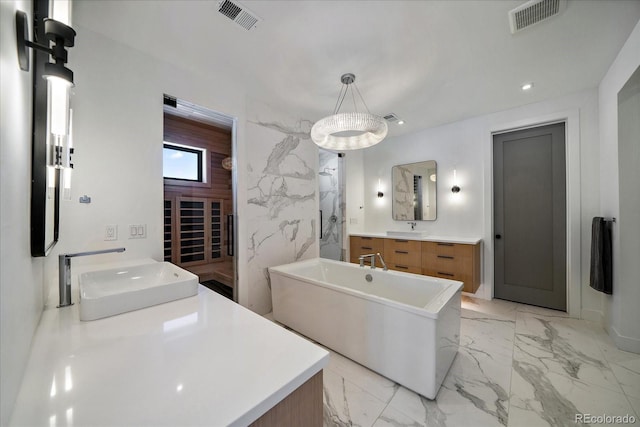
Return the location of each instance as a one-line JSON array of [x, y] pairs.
[[341, 97], [353, 97], [361, 98], [343, 94]]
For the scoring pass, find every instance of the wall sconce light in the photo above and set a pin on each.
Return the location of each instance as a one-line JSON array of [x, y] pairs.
[[60, 34], [455, 188], [380, 193], [59, 78], [227, 163]]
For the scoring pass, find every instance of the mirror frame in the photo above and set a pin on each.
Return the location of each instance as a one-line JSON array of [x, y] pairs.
[[393, 192], [41, 244]]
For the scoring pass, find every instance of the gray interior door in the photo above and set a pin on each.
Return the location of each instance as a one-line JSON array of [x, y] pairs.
[[530, 216]]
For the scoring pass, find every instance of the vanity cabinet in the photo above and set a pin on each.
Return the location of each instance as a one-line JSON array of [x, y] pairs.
[[448, 260], [403, 255], [362, 245]]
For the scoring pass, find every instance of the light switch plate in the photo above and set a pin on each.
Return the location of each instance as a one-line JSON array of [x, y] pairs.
[[137, 231]]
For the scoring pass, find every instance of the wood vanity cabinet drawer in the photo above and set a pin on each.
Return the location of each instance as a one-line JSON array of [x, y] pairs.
[[442, 262], [405, 268], [359, 245], [448, 249], [406, 253], [455, 261], [445, 275]]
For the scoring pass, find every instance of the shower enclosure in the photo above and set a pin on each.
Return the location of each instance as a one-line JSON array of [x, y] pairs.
[[331, 188]]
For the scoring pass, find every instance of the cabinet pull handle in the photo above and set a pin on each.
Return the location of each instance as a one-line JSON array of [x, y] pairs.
[[366, 238], [404, 267], [445, 256], [401, 241], [445, 244], [445, 274], [402, 252], [367, 248]]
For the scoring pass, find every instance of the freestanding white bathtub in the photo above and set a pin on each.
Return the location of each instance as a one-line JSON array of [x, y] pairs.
[[403, 326]]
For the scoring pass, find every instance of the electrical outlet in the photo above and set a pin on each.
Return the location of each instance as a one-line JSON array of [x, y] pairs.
[[111, 232]]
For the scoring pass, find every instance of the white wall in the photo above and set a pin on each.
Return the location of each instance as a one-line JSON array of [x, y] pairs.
[[21, 290], [467, 147], [118, 133], [622, 314]]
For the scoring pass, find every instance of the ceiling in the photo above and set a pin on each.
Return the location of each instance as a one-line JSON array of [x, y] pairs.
[[429, 62]]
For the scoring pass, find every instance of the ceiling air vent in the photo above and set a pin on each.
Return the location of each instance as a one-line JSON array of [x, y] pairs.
[[238, 14], [533, 12], [391, 117]]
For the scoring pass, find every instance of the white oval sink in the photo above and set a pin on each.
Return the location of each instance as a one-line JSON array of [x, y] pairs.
[[414, 234], [118, 290]]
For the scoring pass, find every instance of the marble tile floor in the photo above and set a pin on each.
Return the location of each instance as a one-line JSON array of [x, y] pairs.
[[517, 365]]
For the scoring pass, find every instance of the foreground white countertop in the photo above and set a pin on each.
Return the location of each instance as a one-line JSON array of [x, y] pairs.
[[202, 360], [445, 239]]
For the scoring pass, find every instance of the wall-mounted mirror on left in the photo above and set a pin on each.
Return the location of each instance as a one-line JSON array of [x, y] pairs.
[[42, 44], [414, 191]]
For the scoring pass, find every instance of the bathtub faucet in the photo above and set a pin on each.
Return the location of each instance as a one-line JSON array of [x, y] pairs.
[[372, 257], [64, 273], [384, 265], [413, 225]]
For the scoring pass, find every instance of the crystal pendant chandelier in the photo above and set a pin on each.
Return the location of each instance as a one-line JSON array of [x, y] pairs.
[[349, 131]]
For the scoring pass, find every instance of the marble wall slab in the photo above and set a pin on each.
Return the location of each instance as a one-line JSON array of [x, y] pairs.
[[282, 215]]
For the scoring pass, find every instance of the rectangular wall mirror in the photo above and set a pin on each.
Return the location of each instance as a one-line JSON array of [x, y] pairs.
[[414, 191]]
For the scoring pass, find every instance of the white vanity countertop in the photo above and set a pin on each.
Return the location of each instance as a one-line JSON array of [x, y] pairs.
[[448, 239], [202, 360]]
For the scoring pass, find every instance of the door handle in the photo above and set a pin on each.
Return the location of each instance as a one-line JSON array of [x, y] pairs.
[[320, 224], [498, 236], [230, 243]]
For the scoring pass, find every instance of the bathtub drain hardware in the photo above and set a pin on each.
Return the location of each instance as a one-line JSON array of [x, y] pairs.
[[368, 278]]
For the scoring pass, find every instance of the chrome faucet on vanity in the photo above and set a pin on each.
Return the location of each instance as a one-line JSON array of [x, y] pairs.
[[64, 273], [413, 225], [372, 257]]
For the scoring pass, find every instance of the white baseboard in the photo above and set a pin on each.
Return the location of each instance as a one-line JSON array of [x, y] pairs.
[[595, 316], [480, 293], [624, 343]]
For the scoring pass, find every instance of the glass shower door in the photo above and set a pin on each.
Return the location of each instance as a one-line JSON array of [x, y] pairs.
[[331, 187]]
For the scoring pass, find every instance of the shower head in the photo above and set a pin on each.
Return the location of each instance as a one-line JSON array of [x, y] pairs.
[[325, 173]]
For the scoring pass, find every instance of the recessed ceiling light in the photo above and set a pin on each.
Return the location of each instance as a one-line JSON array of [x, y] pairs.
[[401, 122], [527, 86]]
